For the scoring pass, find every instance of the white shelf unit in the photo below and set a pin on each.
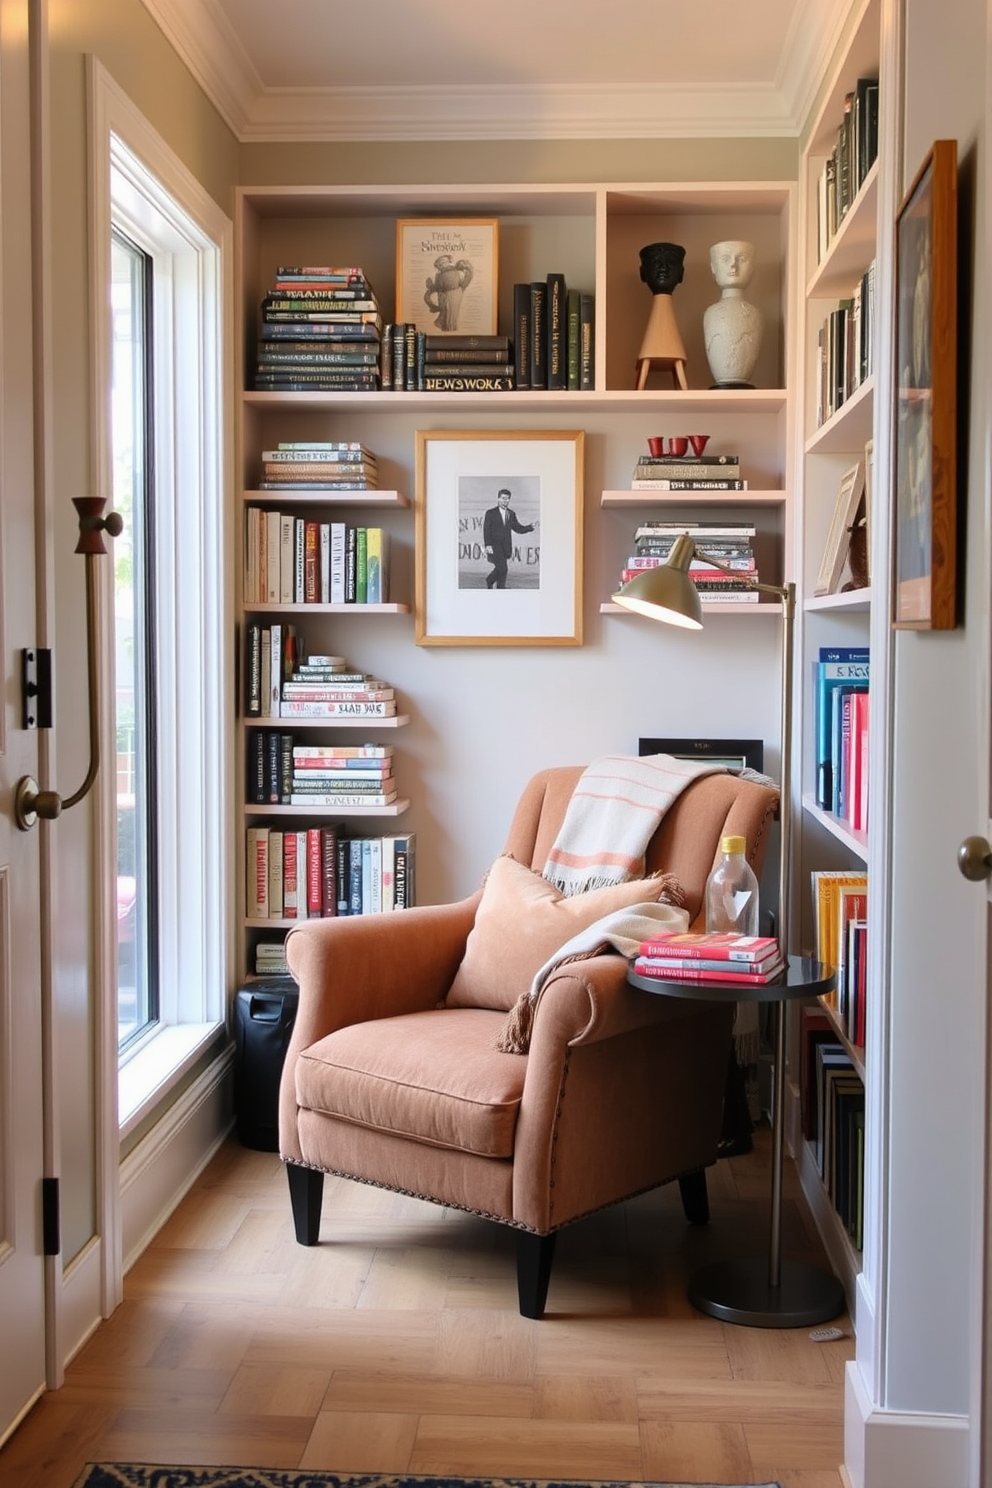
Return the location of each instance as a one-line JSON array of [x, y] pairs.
[[591, 232], [828, 449]]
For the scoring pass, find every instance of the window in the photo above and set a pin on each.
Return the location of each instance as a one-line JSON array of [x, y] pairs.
[[134, 641], [164, 452]]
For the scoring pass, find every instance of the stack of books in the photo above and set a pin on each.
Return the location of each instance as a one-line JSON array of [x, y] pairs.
[[553, 335], [315, 689], [728, 543], [320, 332], [270, 959], [319, 465], [688, 473], [326, 776], [718, 956], [419, 362]]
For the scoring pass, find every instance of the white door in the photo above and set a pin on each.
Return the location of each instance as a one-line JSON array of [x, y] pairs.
[[22, 1264]]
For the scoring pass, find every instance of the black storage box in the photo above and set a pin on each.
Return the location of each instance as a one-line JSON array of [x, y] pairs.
[[264, 1015]]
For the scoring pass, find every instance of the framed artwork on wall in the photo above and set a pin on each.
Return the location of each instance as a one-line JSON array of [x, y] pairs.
[[498, 537], [447, 274], [925, 441], [735, 754]]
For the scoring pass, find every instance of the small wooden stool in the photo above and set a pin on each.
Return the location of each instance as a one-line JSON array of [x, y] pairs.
[[662, 344]]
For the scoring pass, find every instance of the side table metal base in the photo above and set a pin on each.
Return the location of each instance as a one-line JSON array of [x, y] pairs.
[[739, 1292]]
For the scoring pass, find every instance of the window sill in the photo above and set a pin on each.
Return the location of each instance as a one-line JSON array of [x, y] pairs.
[[158, 1067]]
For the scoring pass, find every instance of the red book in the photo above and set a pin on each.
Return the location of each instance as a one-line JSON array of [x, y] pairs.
[[663, 973], [716, 945], [315, 896]]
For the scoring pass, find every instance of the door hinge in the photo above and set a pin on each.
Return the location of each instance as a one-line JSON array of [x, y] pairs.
[[50, 1217], [36, 687]]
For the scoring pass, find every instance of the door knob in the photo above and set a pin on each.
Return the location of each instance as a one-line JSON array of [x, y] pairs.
[[975, 859]]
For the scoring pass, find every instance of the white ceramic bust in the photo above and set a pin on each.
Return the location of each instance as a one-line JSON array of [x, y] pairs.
[[732, 327]]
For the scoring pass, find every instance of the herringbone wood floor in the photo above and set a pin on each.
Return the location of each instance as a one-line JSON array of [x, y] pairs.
[[396, 1345]]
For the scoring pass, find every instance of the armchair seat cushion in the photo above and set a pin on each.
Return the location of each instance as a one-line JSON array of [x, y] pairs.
[[434, 1077]]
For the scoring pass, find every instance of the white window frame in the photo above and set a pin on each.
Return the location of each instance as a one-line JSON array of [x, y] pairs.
[[139, 185]]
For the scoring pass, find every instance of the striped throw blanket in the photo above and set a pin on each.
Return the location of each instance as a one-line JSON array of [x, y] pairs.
[[612, 815]]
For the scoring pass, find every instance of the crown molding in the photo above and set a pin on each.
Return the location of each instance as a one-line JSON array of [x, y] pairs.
[[211, 49]]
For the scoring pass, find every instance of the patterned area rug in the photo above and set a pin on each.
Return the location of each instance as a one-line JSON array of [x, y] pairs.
[[143, 1475]]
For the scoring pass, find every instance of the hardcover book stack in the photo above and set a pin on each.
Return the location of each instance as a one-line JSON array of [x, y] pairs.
[[320, 332], [291, 559], [421, 362], [318, 872], [322, 688], [710, 957], [688, 473], [553, 335], [325, 775], [728, 543], [319, 465]]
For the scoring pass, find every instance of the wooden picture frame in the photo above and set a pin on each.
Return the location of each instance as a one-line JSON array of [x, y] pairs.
[[838, 542], [924, 556], [469, 592], [447, 274]]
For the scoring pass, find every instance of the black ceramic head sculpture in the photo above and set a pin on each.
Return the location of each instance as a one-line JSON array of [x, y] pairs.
[[662, 266]]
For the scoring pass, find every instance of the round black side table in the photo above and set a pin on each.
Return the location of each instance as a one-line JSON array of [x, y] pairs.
[[757, 1293]]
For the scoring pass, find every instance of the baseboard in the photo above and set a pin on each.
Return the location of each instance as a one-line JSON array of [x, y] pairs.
[[912, 1449], [160, 1170]]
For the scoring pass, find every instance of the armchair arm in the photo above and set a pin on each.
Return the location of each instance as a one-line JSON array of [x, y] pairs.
[[371, 966], [622, 1091]]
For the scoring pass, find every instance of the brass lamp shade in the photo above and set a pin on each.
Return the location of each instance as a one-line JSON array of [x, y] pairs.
[[666, 593]]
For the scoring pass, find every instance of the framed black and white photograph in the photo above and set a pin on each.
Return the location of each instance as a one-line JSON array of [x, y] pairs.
[[499, 538], [447, 275], [925, 466]]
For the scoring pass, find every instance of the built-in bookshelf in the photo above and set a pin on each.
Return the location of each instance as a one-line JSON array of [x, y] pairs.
[[839, 242], [591, 234]]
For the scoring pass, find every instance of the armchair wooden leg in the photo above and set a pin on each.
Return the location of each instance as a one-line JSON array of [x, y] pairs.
[[534, 1256], [695, 1199], [306, 1188]]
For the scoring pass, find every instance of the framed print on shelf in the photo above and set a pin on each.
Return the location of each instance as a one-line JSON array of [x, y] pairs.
[[446, 274], [734, 754], [925, 454], [835, 549], [498, 537]]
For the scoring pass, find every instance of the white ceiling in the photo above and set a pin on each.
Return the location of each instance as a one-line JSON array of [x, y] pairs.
[[433, 69]]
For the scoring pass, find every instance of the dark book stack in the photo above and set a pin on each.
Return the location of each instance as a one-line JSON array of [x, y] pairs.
[[552, 335], [321, 465], [849, 162], [730, 574], [320, 332], [468, 364]]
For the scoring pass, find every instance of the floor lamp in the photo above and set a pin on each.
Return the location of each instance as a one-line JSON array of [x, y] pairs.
[[737, 1291]]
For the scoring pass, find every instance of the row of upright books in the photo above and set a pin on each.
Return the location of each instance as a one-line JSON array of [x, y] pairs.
[[319, 872], [840, 930], [714, 956], [320, 331], [729, 544], [688, 473], [553, 335], [841, 718], [846, 347], [284, 772], [832, 1098], [278, 686], [852, 157], [291, 559]]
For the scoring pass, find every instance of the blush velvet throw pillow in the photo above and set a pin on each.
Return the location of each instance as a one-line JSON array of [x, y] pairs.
[[522, 920]]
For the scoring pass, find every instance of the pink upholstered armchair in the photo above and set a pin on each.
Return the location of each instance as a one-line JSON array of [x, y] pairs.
[[393, 1077]]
